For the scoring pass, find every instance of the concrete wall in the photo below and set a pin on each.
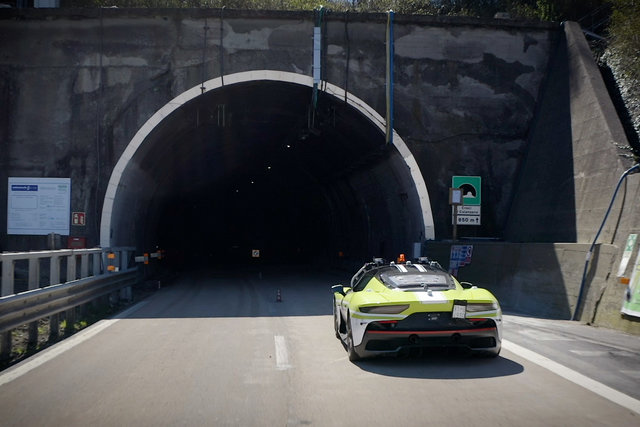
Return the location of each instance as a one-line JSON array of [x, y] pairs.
[[543, 279], [571, 169], [76, 86], [522, 105], [574, 160]]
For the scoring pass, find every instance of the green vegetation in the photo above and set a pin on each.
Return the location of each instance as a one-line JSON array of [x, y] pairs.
[[624, 30], [622, 56], [533, 9]]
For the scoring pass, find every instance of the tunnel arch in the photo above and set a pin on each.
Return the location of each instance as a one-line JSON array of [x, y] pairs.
[[117, 184]]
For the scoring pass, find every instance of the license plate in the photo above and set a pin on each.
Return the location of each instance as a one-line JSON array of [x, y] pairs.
[[459, 311]]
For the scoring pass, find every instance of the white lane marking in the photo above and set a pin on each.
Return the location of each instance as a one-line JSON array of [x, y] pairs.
[[575, 377], [282, 355], [67, 344]]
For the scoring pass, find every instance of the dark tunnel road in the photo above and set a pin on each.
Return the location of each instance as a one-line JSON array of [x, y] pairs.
[[218, 349]]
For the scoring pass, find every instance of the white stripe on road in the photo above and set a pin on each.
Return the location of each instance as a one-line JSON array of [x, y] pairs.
[[575, 377], [56, 350], [282, 356]]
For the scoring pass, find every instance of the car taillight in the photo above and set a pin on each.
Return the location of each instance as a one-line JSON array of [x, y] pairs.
[[385, 309], [476, 307]]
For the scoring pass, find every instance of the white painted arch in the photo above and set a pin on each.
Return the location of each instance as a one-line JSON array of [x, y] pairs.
[[253, 76]]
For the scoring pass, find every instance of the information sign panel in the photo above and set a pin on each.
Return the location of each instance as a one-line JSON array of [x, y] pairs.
[[626, 255], [469, 212], [631, 303], [38, 206], [460, 256]]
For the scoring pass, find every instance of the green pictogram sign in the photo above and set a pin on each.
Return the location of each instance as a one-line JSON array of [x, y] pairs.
[[471, 189], [469, 213]]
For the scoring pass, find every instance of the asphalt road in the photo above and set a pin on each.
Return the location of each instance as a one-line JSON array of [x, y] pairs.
[[219, 350]]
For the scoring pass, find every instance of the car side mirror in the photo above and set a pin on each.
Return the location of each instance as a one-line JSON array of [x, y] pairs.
[[468, 285], [339, 289]]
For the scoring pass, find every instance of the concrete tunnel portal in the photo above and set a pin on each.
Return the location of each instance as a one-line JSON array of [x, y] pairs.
[[248, 163]]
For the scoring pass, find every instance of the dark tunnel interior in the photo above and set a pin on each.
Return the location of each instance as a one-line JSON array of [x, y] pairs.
[[255, 166]]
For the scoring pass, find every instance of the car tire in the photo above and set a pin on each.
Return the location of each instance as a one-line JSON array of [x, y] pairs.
[[336, 320], [351, 351]]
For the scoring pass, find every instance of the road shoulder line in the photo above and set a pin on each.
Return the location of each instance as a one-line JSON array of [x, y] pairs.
[[575, 377], [56, 350]]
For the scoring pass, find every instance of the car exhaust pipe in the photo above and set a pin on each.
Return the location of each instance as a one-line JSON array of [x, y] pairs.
[[455, 337], [413, 339]]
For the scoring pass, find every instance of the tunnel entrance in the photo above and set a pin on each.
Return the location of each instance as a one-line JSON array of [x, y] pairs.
[[251, 164]]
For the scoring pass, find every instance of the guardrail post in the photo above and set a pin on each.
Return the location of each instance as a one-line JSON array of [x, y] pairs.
[[5, 345], [7, 277], [126, 294], [54, 327], [71, 267], [32, 341], [123, 260], [84, 266], [54, 270], [97, 263], [34, 273], [70, 317]]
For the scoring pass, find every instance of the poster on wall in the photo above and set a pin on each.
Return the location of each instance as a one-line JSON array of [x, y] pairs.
[[38, 206], [631, 303], [460, 256]]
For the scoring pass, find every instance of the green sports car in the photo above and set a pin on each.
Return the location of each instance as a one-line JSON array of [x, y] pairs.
[[395, 307]]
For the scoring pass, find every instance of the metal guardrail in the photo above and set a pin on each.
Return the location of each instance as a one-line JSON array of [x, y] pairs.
[[99, 259], [30, 306], [89, 274]]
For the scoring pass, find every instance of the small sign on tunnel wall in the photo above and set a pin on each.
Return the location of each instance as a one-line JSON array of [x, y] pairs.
[[78, 218]]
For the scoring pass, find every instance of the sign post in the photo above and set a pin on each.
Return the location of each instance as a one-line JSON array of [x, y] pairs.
[[455, 200]]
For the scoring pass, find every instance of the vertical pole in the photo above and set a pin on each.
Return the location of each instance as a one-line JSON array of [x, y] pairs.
[[54, 270], [34, 273], [317, 57], [97, 261], [71, 267], [32, 341], [389, 76], [54, 327], [455, 223], [84, 265], [455, 200], [204, 50], [5, 346], [222, 45], [70, 317], [124, 260]]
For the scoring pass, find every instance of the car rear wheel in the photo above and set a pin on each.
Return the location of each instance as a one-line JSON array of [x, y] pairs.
[[351, 351], [336, 320]]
